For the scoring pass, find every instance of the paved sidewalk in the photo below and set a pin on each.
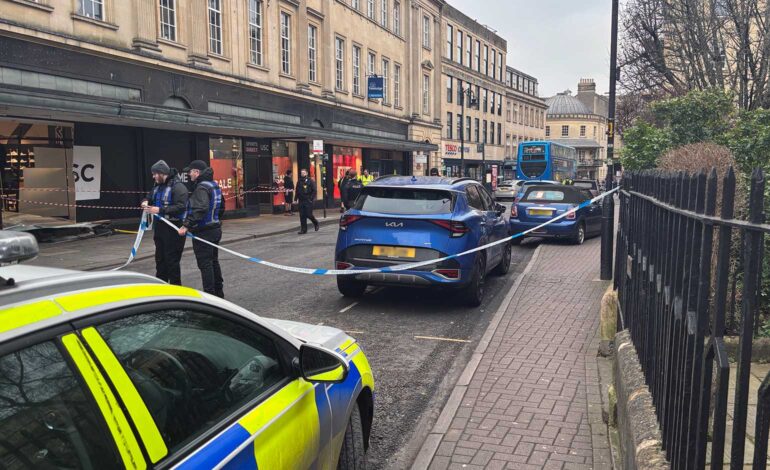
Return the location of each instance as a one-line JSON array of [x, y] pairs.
[[113, 250], [530, 396]]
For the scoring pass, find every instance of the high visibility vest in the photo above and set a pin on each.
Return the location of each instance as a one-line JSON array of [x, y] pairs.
[[366, 179], [164, 196], [215, 202]]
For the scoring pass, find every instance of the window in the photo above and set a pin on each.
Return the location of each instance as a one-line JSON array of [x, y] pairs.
[[356, 4], [582, 131], [459, 47], [426, 31], [459, 126], [48, 419], [507, 111], [500, 66], [474, 199], [397, 85], [485, 131], [492, 133], [565, 131], [484, 99], [312, 53], [499, 105], [548, 131], [449, 90], [476, 130], [356, 70], [582, 155], [397, 18], [215, 26], [168, 20], [478, 97], [404, 201], [492, 65], [339, 63], [449, 127], [477, 57], [594, 132], [385, 76], [460, 95], [485, 67], [370, 9], [426, 94], [92, 9], [468, 127], [450, 37], [180, 352], [499, 133], [384, 9], [493, 100], [370, 65], [285, 43], [468, 51], [255, 31]]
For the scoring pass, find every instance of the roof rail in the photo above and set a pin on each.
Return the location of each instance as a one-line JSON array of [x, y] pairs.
[[465, 178], [386, 176]]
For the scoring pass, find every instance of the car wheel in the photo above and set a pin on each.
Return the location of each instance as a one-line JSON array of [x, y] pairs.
[[473, 294], [349, 287], [353, 453], [505, 263], [580, 236]]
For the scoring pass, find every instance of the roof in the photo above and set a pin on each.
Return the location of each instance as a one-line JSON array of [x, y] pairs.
[[564, 103], [419, 181], [579, 143]]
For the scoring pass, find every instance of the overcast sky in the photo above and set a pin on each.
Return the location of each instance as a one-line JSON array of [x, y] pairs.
[[557, 41]]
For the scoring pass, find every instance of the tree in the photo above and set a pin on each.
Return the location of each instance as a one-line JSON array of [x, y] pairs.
[[643, 144], [699, 116]]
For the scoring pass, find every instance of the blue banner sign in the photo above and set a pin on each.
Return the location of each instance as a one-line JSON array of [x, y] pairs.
[[375, 87]]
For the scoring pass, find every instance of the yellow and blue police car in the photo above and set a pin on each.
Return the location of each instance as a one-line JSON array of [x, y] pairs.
[[119, 370]]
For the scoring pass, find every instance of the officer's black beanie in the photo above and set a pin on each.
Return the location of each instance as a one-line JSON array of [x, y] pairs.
[[161, 167]]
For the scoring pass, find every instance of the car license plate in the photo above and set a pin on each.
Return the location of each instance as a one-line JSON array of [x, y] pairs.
[[393, 252], [540, 212]]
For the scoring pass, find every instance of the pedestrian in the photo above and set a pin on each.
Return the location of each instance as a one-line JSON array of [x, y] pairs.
[[305, 194], [365, 177], [204, 211], [434, 172], [342, 182], [168, 199], [288, 187], [350, 190]]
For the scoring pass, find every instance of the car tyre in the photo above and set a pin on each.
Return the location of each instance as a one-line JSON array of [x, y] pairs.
[[580, 236], [473, 294], [353, 452], [350, 287], [505, 264]]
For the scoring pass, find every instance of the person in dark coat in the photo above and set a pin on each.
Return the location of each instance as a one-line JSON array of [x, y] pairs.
[[205, 209], [167, 199], [350, 190], [305, 195], [288, 187]]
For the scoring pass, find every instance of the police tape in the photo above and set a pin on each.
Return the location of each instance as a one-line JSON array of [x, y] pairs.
[[143, 225], [353, 272]]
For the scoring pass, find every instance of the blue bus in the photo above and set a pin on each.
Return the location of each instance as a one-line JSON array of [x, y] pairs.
[[546, 161]]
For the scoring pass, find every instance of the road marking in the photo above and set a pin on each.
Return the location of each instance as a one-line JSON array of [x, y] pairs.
[[348, 307], [437, 338]]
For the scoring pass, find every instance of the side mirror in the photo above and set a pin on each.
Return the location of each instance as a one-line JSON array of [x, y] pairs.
[[320, 365], [499, 208]]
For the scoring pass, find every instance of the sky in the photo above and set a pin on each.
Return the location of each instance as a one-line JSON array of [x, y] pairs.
[[556, 41]]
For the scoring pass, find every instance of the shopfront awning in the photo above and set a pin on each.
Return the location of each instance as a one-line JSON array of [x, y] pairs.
[[18, 103]]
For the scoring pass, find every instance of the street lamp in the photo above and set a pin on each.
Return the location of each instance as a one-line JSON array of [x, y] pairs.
[[473, 101]]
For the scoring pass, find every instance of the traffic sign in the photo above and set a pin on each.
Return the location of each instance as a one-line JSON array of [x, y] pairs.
[[318, 146]]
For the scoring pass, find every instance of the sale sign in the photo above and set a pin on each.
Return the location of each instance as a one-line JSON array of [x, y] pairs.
[[226, 176]]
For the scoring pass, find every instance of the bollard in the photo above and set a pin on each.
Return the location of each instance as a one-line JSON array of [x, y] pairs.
[[608, 223]]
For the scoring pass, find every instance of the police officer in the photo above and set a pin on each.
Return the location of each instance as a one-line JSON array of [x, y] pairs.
[[305, 194], [350, 190], [203, 220], [168, 199], [365, 177]]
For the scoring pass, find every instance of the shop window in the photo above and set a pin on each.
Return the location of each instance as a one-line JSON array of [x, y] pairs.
[[285, 159], [226, 159], [344, 159]]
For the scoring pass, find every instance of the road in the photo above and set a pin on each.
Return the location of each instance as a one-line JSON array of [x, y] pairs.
[[413, 375]]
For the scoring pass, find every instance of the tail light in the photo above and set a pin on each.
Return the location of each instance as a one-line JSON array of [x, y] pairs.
[[347, 219], [341, 265], [451, 274], [456, 229], [514, 211], [572, 215]]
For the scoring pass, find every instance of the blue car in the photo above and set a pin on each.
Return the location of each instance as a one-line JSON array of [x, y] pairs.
[[401, 219], [541, 203], [522, 188]]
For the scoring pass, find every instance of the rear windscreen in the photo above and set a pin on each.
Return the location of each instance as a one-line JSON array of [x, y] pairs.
[[405, 201], [585, 184], [541, 194]]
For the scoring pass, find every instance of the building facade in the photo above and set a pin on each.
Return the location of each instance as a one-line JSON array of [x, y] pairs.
[[524, 111], [580, 121], [473, 96], [92, 92]]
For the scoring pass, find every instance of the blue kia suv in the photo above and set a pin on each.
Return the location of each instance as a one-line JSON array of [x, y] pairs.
[[403, 219]]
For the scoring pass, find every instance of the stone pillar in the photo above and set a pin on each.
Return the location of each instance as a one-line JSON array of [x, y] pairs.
[[303, 69], [326, 48], [146, 27], [197, 55]]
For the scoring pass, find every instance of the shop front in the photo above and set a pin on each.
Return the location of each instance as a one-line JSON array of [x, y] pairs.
[[267, 161], [386, 162]]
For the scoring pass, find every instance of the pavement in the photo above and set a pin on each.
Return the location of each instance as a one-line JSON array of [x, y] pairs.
[[113, 250], [530, 396]]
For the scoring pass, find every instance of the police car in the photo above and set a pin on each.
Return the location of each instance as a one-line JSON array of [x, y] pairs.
[[118, 370]]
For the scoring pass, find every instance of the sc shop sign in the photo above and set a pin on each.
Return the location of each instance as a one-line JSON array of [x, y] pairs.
[[394, 224]]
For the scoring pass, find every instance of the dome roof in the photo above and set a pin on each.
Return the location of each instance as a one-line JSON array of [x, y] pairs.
[[565, 103]]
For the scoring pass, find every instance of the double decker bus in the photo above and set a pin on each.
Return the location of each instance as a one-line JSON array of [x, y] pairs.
[[546, 160]]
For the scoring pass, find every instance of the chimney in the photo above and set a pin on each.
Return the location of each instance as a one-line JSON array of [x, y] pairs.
[[587, 85]]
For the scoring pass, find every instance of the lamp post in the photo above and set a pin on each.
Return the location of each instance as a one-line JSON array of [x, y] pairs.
[[472, 100], [608, 205]]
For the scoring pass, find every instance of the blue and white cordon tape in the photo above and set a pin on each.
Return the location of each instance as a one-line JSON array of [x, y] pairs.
[[144, 225]]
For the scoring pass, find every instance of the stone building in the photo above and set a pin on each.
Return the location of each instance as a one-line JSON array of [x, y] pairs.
[[92, 92], [524, 111], [580, 121]]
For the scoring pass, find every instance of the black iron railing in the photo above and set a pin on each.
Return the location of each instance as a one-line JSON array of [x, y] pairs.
[[673, 282]]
